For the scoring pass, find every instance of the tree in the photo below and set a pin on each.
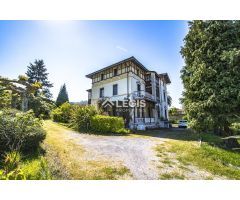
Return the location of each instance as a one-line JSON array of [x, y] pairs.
[[211, 96], [37, 72], [62, 96], [19, 87], [173, 111], [169, 100]]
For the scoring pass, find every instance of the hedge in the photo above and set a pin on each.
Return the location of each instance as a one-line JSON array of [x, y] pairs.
[[107, 124], [63, 113]]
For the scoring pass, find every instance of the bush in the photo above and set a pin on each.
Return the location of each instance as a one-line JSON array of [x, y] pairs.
[[236, 128], [41, 108], [14, 168], [82, 117], [20, 131], [11, 170], [36, 169], [63, 113], [107, 124]]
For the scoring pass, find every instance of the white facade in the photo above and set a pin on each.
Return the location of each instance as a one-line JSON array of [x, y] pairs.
[[132, 84]]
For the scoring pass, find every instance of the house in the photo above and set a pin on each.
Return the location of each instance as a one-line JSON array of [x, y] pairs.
[[129, 89]]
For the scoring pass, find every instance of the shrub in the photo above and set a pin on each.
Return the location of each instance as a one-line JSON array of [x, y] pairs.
[[107, 124], [236, 128], [63, 113], [41, 107], [36, 169], [11, 170], [82, 117], [19, 131]]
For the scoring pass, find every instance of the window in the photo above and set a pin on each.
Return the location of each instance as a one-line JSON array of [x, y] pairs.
[[138, 87], [102, 76], [157, 92], [115, 72], [101, 92], [138, 72], [115, 89]]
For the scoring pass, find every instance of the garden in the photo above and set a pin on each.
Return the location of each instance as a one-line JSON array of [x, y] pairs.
[[25, 103]]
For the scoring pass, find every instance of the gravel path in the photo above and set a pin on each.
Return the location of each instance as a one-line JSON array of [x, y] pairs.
[[136, 153]]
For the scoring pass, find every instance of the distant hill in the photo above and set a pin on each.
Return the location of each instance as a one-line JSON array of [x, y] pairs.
[[83, 102]]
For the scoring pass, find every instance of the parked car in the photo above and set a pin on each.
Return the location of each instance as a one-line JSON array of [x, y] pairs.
[[182, 124]]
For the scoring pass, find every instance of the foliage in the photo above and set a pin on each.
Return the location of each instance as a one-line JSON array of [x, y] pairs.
[[107, 124], [62, 96], [36, 169], [5, 99], [37, 72], [16, 168], [173, 111], [63, 113], [169, 100], [211, 94], [81, 119], [236, 128], [22, 78], [11, 170], [41, 107], [19, 131]]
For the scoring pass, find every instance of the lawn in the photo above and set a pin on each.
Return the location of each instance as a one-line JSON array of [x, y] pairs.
[[206, 155]]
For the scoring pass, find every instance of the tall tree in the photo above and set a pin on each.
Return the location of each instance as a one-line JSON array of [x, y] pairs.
[[62, 95], [169, 100], [37, 72], [211, 96]]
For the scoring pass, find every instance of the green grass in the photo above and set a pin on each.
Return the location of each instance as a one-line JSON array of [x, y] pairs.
[[212, 159], [172, 175], [208, 156]]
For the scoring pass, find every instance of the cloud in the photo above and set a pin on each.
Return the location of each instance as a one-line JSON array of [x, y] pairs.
[[121, 48]]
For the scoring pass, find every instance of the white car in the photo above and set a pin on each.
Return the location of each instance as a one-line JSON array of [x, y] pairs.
[[182, 124]]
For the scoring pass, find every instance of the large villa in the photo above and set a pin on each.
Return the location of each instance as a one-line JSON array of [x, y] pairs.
[[127, 81]]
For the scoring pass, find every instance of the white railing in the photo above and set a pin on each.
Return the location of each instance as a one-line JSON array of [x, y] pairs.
[[144, 120], [142, 94]]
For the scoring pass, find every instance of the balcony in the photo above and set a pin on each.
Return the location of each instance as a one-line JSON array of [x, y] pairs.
[[144, 120], [143, 95]]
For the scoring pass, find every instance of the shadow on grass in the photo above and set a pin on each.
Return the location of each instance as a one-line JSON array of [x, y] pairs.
[[32, 155], [185, 135]]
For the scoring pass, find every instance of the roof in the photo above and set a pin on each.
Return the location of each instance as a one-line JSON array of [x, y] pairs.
[[165, 77], [133, 59]]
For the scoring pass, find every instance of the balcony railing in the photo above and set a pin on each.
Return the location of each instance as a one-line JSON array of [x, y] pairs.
[[144, 120], [142, 95]]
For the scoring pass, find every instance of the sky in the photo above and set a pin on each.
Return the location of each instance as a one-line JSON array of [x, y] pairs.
[[73, 49]]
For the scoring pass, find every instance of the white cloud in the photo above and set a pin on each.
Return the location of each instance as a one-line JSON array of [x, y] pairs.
[[121, 48]]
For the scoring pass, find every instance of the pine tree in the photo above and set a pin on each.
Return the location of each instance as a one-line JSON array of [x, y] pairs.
[[62, 96], [211, 96], [37, 72]]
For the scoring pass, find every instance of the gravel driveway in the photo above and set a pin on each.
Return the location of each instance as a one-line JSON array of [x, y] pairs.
[[136, 153]]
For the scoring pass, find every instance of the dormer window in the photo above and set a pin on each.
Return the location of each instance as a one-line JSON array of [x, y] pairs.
[[115, 72]]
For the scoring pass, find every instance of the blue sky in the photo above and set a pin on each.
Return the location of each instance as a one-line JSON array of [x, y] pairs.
[[72, 49]]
